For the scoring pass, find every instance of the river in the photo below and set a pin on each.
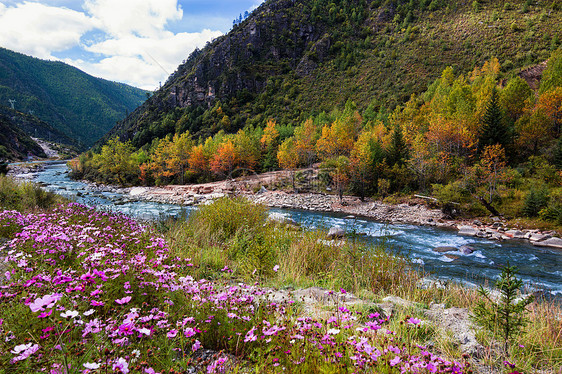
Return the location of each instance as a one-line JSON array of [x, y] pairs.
[[540, 268]]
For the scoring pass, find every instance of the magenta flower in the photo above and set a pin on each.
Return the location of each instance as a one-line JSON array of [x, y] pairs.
[[122, 365], [124, 300], [276, 268], [189, 332], [196, 346], [413, 321], [250, 337]]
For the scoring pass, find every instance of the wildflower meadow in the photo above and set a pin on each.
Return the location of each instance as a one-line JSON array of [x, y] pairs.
[[84, 291]]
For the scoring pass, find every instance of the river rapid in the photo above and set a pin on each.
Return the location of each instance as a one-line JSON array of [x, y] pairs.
[[540, 268]]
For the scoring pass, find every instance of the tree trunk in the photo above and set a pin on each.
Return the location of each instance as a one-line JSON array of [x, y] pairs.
[[488, 206]]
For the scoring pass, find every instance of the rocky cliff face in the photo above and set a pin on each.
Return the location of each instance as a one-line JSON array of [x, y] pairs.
[[294, 58]]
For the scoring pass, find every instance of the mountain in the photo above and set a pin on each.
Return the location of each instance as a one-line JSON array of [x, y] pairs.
[[15, 144], [291, 59], [74, 103]]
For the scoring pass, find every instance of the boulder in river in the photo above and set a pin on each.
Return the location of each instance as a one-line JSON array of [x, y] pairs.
[[468, 230], [336, 232], [466, 249], [551, 242], [445, 249]]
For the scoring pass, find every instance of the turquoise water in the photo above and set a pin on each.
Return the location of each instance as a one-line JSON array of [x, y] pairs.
[[540, 268]]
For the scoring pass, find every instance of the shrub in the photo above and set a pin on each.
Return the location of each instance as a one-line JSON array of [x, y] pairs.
[[25, 196], [535, 201], [225, 217]]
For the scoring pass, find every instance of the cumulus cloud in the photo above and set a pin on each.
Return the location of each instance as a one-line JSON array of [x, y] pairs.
[[144, 61], [142, 17], [40, 30], [130, 40]]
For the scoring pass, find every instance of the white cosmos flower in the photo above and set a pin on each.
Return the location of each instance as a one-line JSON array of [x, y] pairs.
[[92, 365], [333, 331]]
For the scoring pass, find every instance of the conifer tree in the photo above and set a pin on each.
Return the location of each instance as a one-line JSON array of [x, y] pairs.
[[398, 152], [493, 130], [505, 317]]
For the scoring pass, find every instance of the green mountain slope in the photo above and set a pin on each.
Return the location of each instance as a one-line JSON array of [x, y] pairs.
[[15, 144], [292, 59], [79, 105]]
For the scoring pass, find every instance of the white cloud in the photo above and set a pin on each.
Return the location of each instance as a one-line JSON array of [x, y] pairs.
[[144, 61], [130, 43], [39, 30], [142, 17]]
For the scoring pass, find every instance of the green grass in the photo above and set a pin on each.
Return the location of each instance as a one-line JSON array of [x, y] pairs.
[[25, 196], [234, 234]]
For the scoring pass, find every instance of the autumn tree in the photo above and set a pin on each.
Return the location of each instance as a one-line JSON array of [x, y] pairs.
[[362, 162], [305, 139], [247, 150], [115, 162], [550, 103], [225, 160], [269, 144], [288, 157], [338, 138], [198, 161]]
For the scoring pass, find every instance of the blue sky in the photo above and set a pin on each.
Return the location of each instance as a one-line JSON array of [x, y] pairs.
[[139, 42]]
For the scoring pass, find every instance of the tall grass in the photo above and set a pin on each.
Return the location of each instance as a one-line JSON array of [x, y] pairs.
[[235, 234], [232, 238], [25, 196]]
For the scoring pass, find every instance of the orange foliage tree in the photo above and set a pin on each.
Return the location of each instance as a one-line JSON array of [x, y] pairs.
[[225, 160]]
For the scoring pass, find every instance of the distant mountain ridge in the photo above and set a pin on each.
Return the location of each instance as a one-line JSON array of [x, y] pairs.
[[293, 58], [76, 104]]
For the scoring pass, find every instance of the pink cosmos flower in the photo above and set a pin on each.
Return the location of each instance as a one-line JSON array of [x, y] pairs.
[[395, 361], [413, 321], [47, 301], [122, 365], [189, 332], [250, 337], [275, 268], [196, 346], [124, 300], [24, 351]]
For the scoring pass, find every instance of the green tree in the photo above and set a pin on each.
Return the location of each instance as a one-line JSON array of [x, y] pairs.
[[504, 318], [398, 152], [493, 130]]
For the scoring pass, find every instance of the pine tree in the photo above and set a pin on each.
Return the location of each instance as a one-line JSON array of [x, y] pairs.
[[558, 154], [505, 317], [398, 152], [493, 130]]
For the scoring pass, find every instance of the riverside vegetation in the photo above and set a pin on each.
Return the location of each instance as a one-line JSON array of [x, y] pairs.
[[93, 292], [486, 144]]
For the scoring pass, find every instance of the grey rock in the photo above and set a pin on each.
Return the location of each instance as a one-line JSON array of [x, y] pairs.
[[262, 190], [466, 249], [551, 242], [445, 249], [468, 231], [515, 234], [539, 237], [336, 232]]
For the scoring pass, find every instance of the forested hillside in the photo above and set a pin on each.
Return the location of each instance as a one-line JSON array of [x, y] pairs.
[[15, 144], [79, 105], [293, 59], [390, 97]]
